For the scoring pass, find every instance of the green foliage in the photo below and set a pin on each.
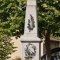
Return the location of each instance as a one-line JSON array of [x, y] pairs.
[[6, 46], [11, 17], [49, 16], [11, 24], [48, 21]]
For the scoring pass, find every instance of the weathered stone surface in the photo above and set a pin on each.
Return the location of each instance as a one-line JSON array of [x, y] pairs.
[[30, 41]]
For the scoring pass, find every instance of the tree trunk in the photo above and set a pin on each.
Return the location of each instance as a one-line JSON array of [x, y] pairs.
[[47, 45]]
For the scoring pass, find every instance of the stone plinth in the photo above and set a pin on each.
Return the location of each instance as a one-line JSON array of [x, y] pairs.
[[30, 48]]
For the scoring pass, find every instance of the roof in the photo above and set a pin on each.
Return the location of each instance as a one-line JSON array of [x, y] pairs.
[[53, 39]]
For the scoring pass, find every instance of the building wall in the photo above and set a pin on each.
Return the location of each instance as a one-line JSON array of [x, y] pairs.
[[18, 52], [53, 44]]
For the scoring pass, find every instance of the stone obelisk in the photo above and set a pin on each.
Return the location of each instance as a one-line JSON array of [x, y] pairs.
[[30, 40]]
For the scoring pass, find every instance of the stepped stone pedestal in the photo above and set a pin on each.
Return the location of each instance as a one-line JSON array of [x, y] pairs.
[[30, 41]]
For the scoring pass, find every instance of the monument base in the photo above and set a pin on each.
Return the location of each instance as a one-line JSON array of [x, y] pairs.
[[30, 47]]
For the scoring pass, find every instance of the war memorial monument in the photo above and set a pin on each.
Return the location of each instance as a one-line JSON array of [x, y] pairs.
[[30, 40]]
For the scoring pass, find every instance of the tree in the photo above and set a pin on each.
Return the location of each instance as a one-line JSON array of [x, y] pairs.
[[11, 17], [48, 21], [6, 46], [11, 24]]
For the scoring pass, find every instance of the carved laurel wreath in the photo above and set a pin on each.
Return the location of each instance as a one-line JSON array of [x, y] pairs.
[[31, 23], [30, 51]]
